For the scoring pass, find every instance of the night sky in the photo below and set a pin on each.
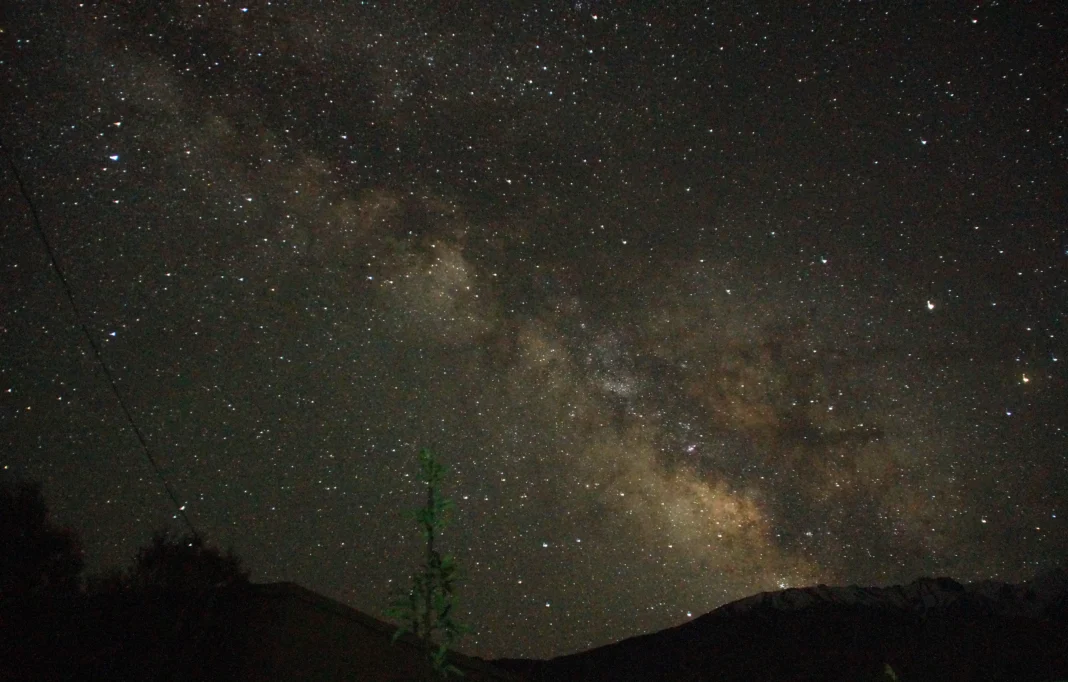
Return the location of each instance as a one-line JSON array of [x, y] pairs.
[[694, 301]]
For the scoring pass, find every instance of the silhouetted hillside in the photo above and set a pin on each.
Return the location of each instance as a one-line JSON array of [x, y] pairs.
[[930, 630], [240, 632], [943, 631]]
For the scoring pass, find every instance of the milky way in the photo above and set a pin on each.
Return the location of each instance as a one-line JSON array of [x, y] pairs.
[[693, 303]]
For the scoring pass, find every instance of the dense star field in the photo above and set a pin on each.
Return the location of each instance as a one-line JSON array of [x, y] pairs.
[[694, 301]]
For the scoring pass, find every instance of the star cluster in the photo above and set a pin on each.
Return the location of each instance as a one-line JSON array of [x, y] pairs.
[[694, 301]]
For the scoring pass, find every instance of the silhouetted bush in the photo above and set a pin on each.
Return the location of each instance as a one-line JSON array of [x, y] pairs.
[[183, 564], [179, 613]]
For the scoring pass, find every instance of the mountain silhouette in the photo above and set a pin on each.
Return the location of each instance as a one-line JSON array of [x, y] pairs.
[[932, 629]]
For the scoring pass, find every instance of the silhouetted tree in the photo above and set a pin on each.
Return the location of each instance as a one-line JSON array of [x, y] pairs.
[[180, 612], [183, 565], [40, 567], [37, 557]]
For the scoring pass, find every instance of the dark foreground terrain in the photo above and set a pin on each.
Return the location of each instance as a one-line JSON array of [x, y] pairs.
[[825, 644], [929, 630]]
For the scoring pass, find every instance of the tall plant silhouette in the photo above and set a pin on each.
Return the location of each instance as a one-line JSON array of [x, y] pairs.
[[426, 610]]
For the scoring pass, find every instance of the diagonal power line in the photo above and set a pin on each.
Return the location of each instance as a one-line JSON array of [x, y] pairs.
[[145, 449]]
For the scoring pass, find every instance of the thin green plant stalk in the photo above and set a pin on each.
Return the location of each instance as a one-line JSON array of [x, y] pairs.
[[426, 609]]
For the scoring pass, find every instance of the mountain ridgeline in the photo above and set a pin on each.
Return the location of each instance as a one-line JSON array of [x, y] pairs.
[[932, 629]]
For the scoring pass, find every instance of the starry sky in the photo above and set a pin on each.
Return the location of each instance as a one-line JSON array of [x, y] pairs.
[[694, 299]]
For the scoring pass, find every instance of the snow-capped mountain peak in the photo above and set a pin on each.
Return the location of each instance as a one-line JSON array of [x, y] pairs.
[[1038, 598]]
